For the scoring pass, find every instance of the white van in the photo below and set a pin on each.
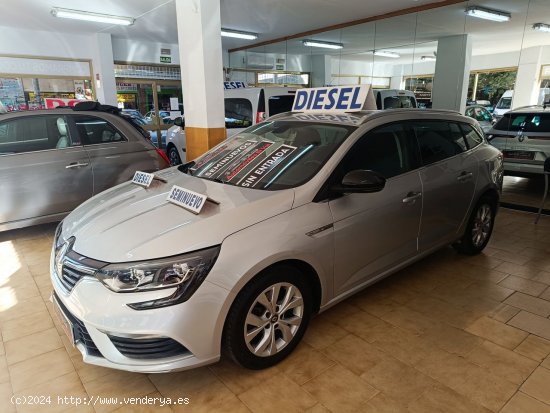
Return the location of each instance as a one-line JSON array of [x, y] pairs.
[[394, 99], [504, 104], [244, 107]]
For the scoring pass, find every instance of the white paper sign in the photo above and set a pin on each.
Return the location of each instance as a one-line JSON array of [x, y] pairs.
[[143, 179], [187, 199], [174, 104]]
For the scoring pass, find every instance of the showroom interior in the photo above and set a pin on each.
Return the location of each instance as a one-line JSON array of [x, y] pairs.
[[449, 333]]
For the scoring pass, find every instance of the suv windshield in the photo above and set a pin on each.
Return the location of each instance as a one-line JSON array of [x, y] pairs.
[[272, 155], [527, 122], [504, 103]]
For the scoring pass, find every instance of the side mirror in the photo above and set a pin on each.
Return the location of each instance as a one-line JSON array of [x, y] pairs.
[[179, 122], [360, 181]]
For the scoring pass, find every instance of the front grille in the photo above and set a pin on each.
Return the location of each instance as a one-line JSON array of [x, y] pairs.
[[71, 273], [71, 267], [148, 348], [80, 332]]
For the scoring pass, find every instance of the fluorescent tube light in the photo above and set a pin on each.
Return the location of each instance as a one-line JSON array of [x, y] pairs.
[[428, 58], [319, 43], [488, 14], [541, 27], [386, 53], [238, 34], [92, 17]]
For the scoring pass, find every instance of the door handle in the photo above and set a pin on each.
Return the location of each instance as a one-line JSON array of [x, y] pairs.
[[76, 165], [412, 197], [464, 176]]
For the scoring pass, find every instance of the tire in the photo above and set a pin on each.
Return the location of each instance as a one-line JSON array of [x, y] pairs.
[[252, 312], [173, 156], [479, 229]]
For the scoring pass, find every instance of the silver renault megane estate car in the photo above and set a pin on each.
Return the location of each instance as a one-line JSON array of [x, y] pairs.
[[266, 229]]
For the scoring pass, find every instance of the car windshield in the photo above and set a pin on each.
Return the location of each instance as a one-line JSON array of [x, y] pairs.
[[504, 103], [272, 155]]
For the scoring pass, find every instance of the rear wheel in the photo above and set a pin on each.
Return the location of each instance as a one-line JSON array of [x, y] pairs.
[[268, 318], [173, 156], [479, 229]]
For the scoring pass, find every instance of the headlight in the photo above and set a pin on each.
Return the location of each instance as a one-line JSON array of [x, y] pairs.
[[184, 272], [57, 240]]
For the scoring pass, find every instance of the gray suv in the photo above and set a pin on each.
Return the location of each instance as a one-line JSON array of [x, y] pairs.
[[53, 160], [523, 136]]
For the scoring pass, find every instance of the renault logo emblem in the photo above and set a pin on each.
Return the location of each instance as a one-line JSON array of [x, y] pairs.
[[59, 255]]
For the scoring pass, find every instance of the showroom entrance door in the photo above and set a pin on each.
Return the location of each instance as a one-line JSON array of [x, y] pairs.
[[154, 104]]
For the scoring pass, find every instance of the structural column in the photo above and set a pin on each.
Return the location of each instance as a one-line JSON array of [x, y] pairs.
[[452, 72], [526, 90], [321, 70], [104, 71], [200, 46]]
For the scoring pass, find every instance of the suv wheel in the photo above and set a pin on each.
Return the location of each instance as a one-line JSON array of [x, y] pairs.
[[173, 156], [268, 318], [479, 229]]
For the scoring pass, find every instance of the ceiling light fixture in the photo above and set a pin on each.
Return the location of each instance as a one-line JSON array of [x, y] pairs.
[[428, 58], [488, 14], [386, 53], [92, 17], [238, 34], [541, 27], [319, 43]]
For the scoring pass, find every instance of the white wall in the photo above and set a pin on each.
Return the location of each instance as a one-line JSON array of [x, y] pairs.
[[41, 43], [126, 50]]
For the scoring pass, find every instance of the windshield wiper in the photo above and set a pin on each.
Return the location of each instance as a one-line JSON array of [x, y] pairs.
[[213, 179], [185, 168]]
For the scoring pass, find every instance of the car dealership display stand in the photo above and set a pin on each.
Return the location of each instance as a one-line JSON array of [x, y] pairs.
[[200, 46]]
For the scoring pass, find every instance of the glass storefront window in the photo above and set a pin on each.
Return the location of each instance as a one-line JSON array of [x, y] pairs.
[[28, 93], [422, 87], [487, 87]]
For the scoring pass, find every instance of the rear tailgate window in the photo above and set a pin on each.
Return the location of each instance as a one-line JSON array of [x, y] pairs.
[[280, 104], [526, 122]]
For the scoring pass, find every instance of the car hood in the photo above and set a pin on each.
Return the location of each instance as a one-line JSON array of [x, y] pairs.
[[131, 223]]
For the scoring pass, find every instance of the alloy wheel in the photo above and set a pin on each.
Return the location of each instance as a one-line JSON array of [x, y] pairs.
[[482, 225], [273, 319]]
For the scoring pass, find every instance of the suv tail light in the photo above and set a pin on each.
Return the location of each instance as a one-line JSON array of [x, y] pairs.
[[163, 155], [260, 117]]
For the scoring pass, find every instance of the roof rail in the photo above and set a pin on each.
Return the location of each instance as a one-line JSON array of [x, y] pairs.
[[94, 105]]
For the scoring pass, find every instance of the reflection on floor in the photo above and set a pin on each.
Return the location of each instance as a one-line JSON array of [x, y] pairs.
[[449, 334], [524, 191]]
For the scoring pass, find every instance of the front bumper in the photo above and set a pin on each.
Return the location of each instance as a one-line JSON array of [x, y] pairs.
[[195, 325]]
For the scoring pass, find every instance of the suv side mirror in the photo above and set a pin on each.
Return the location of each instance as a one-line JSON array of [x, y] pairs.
[[179, 122], [360, 181]]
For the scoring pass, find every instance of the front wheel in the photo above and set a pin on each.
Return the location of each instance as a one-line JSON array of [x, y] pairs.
[[268, 318], [479, 229], [174, 156]]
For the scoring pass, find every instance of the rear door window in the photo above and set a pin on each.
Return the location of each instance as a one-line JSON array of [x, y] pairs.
[[93, 130], [238, 113], [33, 133], [280, 104], [472, 136], [438, 140]]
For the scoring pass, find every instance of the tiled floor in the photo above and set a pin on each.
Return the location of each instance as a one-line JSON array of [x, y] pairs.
[[524, 191], [449, 334]]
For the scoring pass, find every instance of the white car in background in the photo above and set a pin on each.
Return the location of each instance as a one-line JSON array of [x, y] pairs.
[[244, 107], [504, 104]]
